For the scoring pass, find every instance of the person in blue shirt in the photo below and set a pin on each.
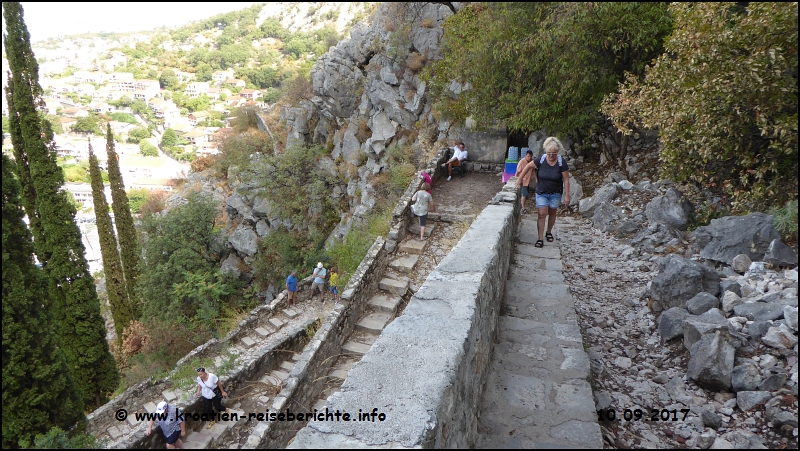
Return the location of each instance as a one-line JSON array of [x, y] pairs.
[[291, 287]]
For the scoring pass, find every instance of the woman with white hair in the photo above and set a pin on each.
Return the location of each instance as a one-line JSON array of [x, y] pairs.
[[552, 173]]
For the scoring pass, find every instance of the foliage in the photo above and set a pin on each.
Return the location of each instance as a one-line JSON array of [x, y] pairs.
[[724, 99], [57, 239], [136, 198], [126, 232], [57, 438], [235, 149], [179, 261], [148, 149], [87, 124], [244, 118], [786, 220], [55, 124], [168, 80], [169, 138], [124, 117], [36, 379], [137, 134], [112, 266], [537, 65]]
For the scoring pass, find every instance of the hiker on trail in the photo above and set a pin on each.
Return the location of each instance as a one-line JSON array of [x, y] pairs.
[[291, 288], [459, 155], [319, 280], [527, 180], [552, 173], [424, 201], [171, 426], [334, 283], [209, 386], [427, 179]]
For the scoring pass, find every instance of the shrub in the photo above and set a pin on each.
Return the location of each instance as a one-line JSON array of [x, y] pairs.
[[155, 203], [416, 61], [137, 198], [786, 220]]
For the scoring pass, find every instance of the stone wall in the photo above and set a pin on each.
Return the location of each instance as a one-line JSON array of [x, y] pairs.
[[307, 379], [427, 370], [486, 146]]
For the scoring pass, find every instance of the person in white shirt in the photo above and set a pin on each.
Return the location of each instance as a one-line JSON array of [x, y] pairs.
[[459, 155], [206, 383]]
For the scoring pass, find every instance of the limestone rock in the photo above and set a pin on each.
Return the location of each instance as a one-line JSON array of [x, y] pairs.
[[759, 311], [790, 315], [244, 240], [672, 209], [746, 400], [730, 300], [606, 193], [746, 376], [780, 337], [670, 323], [734, 235], [711, 362], [701, 303], [779, 254], [741, 263], [680, 279]]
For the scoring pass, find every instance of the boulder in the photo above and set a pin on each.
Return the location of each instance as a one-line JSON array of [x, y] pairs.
[[746, 376], [605, 193], [730, 300], [773, 382], [730, 285], [575, 191], [232, 265], [606, 216], [701, 303], [680, 279], [711, 363], [672, 209], [670, 323], [780, 337], [244, 240], [759, 328], [734, 235], [746, 400], [790, 316], [696, 327], [779, 254], [654, 235], [741, 263], [710, 418], [759, 311]]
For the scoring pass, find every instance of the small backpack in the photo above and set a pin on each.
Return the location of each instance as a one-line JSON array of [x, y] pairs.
[[544, 157]]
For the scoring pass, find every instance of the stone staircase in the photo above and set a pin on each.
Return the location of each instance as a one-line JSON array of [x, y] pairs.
[[537, 392], [382, 309], [242, 351]]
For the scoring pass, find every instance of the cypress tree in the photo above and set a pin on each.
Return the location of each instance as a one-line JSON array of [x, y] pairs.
[[112, 267], [38, 390], [129, 246], [77, 308]]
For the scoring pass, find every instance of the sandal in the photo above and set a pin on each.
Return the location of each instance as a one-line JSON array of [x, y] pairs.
[[539, 243], [524, 211], [549, 237]]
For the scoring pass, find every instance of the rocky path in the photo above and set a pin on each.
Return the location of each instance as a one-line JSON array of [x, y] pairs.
[[538, 392]]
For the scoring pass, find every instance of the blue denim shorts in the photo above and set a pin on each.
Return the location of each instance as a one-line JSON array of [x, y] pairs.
[[548, 200]]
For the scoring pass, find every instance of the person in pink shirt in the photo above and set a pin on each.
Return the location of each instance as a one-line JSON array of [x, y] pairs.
[[526, 181], [427, 179]]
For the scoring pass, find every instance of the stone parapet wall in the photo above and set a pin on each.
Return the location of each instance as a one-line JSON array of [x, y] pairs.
[[427, 370], [307, 379]]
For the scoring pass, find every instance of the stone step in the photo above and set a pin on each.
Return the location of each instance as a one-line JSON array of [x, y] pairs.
[[263, 332], [383, 303], [355, 348], [339, 374], [197, 440], [412, 246], [414, 229], [404, 264], [287, 365], [114, 432], [150, 407], [248, 342], [290, 313], [276, 323], [169, 395], [398, 287], [373, 323], [282, 375], [270, 379]]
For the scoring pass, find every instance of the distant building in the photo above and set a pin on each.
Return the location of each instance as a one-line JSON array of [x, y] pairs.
[[196, 88]]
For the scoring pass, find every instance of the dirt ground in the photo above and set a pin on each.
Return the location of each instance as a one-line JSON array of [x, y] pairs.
[[468, 195]]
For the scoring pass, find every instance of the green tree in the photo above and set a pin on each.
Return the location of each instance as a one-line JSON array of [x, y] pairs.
[[57, 239], [147, 149], [168, 80], [87, 124], [169, 138], [112, 266], [128, 242], [537, 65], [724, 99], [138, 134], [36, 379]]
